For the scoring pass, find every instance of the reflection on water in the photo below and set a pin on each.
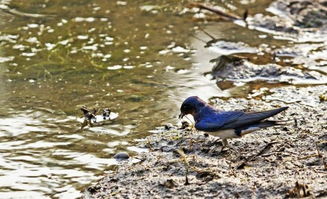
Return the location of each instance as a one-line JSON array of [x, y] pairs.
[[139, 58]]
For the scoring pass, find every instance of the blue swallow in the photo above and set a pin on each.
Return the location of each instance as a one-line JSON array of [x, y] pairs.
[[226, 124]]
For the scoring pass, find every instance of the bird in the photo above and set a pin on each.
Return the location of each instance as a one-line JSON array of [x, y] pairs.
[[226, 124]]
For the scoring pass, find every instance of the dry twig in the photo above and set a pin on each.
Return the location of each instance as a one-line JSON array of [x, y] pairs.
[[224, 15], [321, 157], [250, 158]]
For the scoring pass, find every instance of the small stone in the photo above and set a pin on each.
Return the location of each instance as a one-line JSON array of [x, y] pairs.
[[121, 156], [170, 183], [169, 126], [93, 190], [323, 98], [185, 125]]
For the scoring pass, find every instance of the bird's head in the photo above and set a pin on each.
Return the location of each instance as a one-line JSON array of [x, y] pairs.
[[191, 106]]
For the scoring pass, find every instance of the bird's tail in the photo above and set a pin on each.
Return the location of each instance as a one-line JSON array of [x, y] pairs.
[[269, 123], [260, 125], [256, 116]]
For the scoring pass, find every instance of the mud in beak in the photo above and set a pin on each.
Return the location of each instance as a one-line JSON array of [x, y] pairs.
[[181, 116]]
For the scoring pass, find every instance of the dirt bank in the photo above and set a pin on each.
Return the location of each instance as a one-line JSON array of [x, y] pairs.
[[265, 164]]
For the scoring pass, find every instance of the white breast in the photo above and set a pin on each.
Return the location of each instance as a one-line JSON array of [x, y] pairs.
[[224, 134], [230, 133], [249, 130]]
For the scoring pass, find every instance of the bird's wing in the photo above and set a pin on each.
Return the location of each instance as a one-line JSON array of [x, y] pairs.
[[215, 121], [233, 119], [250, 118]]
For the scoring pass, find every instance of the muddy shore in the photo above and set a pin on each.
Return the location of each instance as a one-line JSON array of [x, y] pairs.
[[283, 162], [286, 161]]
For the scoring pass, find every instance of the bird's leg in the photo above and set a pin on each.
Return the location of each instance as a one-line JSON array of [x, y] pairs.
[[216, 141], [194, 130], [212, 144], [225, 144]]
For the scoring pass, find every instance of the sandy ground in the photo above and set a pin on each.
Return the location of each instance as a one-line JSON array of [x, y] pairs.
[[280, 162]]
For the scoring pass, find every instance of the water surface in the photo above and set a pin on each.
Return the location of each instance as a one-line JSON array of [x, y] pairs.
[[140, 59]]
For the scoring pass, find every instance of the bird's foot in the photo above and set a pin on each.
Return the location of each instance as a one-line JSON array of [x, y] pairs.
[[216, 141], [226, 146], [193, 130], [223, 149]]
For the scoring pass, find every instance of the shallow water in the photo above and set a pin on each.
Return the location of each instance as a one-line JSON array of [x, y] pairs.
[[139, 59]]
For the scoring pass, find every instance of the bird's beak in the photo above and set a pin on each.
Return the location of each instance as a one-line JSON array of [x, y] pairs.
[[181, 116]]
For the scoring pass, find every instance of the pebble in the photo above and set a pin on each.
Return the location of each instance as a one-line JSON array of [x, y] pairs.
[[121, 156]]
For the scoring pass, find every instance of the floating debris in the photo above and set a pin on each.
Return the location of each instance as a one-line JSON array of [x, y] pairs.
[[91, 118], [106, 113]]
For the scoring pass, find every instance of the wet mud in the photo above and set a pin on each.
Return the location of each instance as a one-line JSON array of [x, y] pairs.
[[281, 162]]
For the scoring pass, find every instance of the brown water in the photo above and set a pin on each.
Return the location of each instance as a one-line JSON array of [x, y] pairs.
[[139, 58]]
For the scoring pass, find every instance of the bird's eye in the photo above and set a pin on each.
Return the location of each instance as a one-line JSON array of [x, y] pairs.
[[186, 107]]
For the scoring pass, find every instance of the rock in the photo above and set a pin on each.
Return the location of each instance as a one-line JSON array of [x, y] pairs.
[[121, 156], [299, 191], [170, 183], [168, 126], [232, 69], [295, 19]]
